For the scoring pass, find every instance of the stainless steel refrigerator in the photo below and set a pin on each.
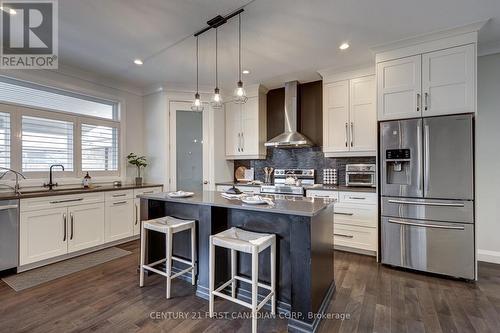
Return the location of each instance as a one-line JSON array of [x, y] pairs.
[[427, 194]]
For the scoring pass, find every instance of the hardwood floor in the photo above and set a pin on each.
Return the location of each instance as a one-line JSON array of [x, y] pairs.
[[371, 297]]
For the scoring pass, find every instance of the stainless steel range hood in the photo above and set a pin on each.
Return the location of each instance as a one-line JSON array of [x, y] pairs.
[[290, 138]]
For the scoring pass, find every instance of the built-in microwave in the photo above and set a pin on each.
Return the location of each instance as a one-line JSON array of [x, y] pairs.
[[361, 175]]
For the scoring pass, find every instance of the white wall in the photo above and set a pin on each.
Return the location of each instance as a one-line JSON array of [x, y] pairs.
[[488, 159], [75, 80]]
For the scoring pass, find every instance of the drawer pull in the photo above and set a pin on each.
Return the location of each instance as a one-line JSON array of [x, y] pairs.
[[357, 198], [8, 207], [119, 203], [343, 235], [341, 213], [119, 195], [148, 192], [423, 203], [323, 196], [425, 225], [64, 201]]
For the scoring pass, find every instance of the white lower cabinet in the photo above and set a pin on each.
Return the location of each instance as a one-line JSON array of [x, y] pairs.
[[42, 235], [355, 219], [119, 221], [86, 226]]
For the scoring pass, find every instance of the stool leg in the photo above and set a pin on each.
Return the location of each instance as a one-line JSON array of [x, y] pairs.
[[193, 254], [211, 268], [233, 273], [143, 255], [255, 287], [168, 255], [273, 277]]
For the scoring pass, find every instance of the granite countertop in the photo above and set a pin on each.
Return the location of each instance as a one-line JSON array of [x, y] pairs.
[[341, 188], [300, 206], [35, 192]]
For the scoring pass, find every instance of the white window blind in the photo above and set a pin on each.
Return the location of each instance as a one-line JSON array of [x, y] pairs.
[[4, 140], [46, 142], [13, 91], [99, 148]]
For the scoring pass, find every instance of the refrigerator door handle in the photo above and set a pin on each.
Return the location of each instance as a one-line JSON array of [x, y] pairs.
[[425, 225], [426, 158], [419, 154], [421, 203]]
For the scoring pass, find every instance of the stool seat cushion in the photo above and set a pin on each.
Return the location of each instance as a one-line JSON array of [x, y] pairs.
[[163, 224], [242, 240]]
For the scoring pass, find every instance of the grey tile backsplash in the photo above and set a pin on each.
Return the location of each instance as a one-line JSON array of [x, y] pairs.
[[302, 158]]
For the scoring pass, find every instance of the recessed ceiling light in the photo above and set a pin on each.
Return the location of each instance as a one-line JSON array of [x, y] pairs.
[[344, 46], [246, 71], [138, 62]]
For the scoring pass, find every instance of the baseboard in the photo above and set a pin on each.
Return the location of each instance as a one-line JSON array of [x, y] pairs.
[[488, 256], [355, 250]]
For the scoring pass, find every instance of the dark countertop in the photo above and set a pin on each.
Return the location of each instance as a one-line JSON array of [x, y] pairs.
[[35, 192], [321, 187], [300, 206]]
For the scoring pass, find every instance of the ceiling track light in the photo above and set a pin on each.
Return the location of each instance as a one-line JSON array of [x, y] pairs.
[[197, 104], [217, 100]]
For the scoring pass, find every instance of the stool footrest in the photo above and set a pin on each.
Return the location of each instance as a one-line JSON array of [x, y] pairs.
[[157, 271], [262, 285], [182, 272], [232, 299], [265, 300], [182, 260]]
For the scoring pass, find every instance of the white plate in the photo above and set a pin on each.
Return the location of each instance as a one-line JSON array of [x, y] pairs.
[[255, 200], [180, 194]]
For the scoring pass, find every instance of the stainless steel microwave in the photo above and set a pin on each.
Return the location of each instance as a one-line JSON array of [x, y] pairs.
[[361, 175]]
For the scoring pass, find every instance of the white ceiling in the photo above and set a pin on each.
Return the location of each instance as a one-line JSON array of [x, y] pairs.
[[282, 39]]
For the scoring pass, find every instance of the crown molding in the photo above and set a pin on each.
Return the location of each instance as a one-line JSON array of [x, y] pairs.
[[344, 73], [485, 49]]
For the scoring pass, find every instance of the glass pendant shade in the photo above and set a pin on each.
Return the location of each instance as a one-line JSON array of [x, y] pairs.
[[197, 104], [240, 96], [217, 99]]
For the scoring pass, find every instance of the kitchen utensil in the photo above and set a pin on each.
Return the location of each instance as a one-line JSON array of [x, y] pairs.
[[268, 171], [180, 194], [233, 190]]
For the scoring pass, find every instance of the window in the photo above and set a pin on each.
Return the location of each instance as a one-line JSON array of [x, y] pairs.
[[28, 94], [46, 142], [99, 148], [4, 140]]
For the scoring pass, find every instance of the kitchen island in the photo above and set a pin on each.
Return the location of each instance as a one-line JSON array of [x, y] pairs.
[[303, 227]]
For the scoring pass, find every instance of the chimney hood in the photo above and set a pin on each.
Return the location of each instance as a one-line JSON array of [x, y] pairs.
[[290, 138]]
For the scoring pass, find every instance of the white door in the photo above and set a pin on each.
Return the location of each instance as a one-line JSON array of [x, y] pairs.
[[362, 114], [189, 147], [250, 126], [42, 235], [448, 81], [86, 226], [233, 129], [336, 117], [399, 88], [119, 220]]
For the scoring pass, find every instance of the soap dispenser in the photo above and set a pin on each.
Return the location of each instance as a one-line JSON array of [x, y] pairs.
[[87, 180]]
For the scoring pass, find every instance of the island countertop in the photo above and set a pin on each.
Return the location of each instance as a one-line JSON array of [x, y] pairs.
[[300, 206]]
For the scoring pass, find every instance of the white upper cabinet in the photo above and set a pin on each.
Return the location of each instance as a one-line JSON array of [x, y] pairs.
[[448, 78], [349, 117], [246, 126], [399, 88]]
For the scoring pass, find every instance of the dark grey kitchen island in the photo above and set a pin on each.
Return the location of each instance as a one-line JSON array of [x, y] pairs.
[[303, 226]]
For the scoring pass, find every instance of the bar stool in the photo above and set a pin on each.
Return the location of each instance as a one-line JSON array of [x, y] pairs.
[[249, 242], [169, 226]]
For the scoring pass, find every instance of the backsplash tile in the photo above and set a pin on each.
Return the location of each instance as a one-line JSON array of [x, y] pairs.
[[302, 158]]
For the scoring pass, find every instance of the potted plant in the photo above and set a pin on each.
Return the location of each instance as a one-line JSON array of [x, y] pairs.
[[139, 162]]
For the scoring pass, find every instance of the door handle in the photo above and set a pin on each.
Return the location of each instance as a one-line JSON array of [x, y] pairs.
[[136, 214], [341, 213], [425, 225], [346, 134], [64, 201], [64, 227], [119, 195], [426, 101], [352, 134], [239, 142], [71, 217], [439, 204], [119, 203], [343, 235], [419, 97], [426, 158], [357, 198], [242, 141], [205, 182]]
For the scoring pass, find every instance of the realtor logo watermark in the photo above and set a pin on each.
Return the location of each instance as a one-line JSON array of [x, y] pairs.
[[29, 34]]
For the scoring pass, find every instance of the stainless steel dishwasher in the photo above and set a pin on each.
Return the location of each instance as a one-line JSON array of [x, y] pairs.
[[9, 234]]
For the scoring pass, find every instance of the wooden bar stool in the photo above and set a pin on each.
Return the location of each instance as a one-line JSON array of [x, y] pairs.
[[249, 242], [169, 226]]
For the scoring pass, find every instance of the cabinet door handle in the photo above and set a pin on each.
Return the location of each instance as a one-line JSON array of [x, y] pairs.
[[341, 213], [357, 198], [64, 227], [343, 235], [119, 195], [352, 134], [239, 141], [242, 141], [119, 203], [148, 192], [346, 134], [419, 97], [426, 101], [136, 214], [64, 201], [71, 218]]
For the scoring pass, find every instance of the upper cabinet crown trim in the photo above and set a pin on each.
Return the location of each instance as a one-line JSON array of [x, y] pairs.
[[334, 75]]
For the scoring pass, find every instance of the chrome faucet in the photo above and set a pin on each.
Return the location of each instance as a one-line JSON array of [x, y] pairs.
[[51, 184], [17, 174]]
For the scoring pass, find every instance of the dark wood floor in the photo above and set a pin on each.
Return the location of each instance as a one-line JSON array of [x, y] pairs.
[[373, 298]]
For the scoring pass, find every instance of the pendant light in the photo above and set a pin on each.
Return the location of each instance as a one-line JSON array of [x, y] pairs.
[[217, 99], [240, 95], [197, 104]]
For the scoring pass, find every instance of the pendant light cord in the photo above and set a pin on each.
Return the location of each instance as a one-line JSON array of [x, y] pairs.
[[197, 65], [216, 60], [239, 46]]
